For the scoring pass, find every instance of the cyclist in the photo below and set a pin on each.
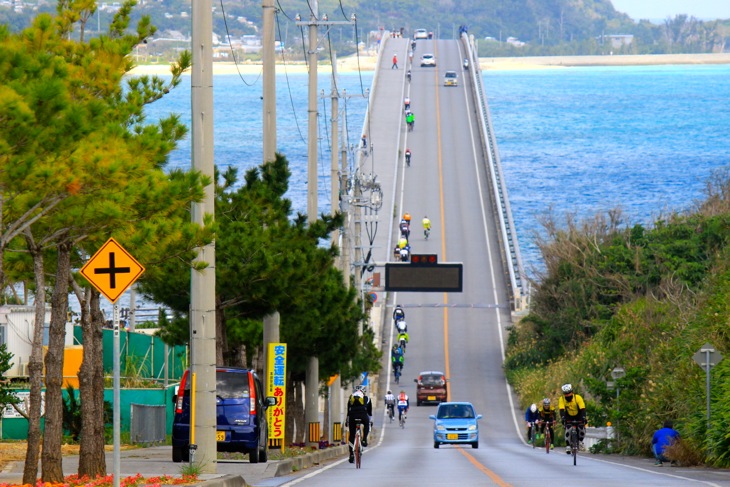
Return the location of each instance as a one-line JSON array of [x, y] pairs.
[[426, 226], [408, 157], [547, 418], [410, 120], [531, 417], [402, 242], [573, 408], [403, 404], [407, 217], [408, 75], [403, 340], [390, 403], [398, 313], [396, 356], [358, 407], [407, 104], [405, 253], [405, 229], [401, 326]]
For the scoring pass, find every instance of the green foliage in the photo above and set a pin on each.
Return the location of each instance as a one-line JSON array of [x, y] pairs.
[[72, 413], [6, 397], [645, 300]]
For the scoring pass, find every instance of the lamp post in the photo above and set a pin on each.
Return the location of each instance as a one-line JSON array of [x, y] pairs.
[[617, 373]]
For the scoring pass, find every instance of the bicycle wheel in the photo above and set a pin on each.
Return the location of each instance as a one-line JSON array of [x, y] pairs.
[[547, 439], [357, 448], [574, 443], [533, 434]]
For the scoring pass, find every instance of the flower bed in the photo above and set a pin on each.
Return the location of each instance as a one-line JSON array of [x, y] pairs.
[[107, 481]]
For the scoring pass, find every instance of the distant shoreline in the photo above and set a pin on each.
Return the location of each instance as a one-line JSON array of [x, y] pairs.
[[367, 63]]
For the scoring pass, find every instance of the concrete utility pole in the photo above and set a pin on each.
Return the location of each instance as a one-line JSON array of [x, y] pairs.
[[269, 88], [202, 286]]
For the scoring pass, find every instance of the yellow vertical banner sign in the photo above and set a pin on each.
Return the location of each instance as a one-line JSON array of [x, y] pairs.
[[276, 386]]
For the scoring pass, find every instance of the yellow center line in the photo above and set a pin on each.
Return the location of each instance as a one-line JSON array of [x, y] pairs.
[[447, 369], [439, 155], [495, 478]]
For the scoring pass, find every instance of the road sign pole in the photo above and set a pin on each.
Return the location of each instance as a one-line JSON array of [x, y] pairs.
[[708, 367], [117, 407]]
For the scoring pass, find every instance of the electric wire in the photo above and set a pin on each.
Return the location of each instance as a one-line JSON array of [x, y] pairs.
[[286, 76], [332, 63], [233, 53], [357, 50], [320, 152], [282, 11], [343, 11], [311, 10]]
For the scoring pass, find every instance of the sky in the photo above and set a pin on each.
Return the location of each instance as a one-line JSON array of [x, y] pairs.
[[661, 9]]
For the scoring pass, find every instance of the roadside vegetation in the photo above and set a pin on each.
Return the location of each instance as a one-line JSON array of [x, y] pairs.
[[80, 164], [642, 298]]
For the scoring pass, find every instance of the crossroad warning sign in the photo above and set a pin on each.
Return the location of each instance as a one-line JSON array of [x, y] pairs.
[[112, 270]]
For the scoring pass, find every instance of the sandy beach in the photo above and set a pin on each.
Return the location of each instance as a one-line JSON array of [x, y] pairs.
[[367, 63]]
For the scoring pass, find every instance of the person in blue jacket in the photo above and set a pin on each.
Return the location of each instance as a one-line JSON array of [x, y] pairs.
[[661, 440], [531, 416]]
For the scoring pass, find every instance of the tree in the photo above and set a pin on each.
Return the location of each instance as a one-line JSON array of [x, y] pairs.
[[80, 165]]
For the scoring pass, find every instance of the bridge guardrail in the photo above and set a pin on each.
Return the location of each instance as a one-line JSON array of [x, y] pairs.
[[510, 245]]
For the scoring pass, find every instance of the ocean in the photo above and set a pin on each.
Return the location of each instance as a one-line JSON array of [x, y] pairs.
[[572, 140]]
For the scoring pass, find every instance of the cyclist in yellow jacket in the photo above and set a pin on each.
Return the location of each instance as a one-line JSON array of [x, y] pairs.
[[572, 408]]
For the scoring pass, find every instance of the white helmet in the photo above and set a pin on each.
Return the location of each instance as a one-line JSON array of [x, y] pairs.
[[567, 388], [358, 393], [533, 408]]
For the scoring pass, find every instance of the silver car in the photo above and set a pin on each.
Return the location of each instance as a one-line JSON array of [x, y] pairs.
[[428, 60]]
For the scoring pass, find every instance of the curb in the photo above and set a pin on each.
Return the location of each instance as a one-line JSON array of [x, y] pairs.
[[285, 467], [223, 481]]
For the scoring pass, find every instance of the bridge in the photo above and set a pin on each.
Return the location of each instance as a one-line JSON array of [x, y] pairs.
[[455, 178]]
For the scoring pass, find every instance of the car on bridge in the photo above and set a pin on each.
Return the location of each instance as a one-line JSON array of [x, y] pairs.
[[431, 387], [420, 34], [451, 78], [455, 423], [428, 60]]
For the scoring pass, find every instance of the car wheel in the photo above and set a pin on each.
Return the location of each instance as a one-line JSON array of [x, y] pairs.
[[264, 453], [177, 454], [475, 444], [436, 444], [253, 455], [418, 403]]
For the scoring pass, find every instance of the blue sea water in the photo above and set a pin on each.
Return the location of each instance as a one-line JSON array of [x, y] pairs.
[[645, 139], [578, 140]]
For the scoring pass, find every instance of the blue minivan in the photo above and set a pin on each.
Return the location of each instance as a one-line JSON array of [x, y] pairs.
[[240, 410]]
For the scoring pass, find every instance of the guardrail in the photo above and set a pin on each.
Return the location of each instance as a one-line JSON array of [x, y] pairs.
[[510, 246]]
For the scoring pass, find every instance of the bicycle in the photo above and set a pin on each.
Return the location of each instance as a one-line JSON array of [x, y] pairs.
[[402, 419], [573, 438], [391, 412], [397, 373], [548, 437], [357, 447], [426, 232], [410, 126], [533, 433]]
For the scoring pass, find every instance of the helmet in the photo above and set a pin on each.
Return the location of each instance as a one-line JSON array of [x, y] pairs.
[[567, 388], [546, 402], [358, 394], [533, 408], [360, 388], [389, 391]]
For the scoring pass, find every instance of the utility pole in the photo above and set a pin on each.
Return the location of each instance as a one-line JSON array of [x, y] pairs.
[[269, 83], [311, 405], [202, 286]]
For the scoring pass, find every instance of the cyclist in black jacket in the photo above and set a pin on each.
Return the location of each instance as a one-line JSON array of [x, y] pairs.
[[359, 407]]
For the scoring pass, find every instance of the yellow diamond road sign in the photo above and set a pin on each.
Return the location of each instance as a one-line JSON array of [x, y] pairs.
[[112, 270]]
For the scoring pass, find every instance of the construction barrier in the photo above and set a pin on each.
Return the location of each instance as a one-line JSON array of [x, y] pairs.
[[314, 433]]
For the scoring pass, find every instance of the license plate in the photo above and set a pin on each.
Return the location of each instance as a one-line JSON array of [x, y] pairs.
[[431, 398], [220, 436], [452, 436]]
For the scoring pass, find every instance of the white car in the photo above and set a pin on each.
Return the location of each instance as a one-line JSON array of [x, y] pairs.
[[451, 78], [428, 60], [420, 34]]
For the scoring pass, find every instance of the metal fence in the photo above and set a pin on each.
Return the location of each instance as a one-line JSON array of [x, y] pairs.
[[148, 424]]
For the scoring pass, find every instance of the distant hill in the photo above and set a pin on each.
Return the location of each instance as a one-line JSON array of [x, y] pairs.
[[547, 27]]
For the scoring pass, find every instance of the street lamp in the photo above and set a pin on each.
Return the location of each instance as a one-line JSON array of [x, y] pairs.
[[617, 373]]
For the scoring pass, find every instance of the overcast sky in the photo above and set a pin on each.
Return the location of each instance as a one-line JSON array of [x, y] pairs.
[[661, 9]]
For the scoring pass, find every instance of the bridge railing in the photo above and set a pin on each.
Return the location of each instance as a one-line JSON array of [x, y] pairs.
[[510, 246]]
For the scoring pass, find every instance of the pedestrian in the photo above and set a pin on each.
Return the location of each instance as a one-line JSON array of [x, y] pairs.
[[663, 438], [395, 62], [364, 141]]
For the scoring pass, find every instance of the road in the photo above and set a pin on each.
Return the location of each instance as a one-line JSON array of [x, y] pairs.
[[461, 334]]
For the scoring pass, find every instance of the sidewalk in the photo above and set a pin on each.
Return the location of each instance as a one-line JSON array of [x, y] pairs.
[[157, 460]]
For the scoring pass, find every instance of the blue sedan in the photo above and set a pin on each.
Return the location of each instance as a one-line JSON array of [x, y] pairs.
[[455, 422]]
